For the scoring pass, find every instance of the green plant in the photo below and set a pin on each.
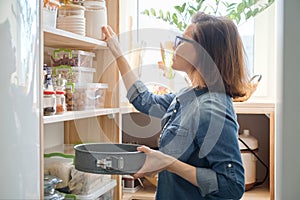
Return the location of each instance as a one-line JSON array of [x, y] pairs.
[[238, 12]]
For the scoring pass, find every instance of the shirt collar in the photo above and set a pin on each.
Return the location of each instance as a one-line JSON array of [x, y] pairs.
[[187, 95]]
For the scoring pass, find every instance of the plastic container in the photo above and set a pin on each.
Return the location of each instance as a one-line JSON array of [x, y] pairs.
[[100, 93], [85, 96], [80, 75], [49, 102], [73, 58], [60, 102], [249, 160], [96, 17], [103, 193], [49, 13]]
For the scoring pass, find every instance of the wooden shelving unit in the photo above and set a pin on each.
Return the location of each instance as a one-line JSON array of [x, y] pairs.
[[104, 123]]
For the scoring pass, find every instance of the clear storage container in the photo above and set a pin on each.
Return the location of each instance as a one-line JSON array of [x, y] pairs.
[[49, 13], [49, 102], [105, 192], [85, 96], [80, 75], [74, 58], [100, 90]]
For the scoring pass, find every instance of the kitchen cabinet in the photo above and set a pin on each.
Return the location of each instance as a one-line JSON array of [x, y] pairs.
[[60, 132]]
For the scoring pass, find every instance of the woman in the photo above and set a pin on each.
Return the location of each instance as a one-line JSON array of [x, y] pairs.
[[199, 156]]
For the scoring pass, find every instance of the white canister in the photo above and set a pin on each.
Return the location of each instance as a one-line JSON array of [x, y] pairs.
[[96, 17], [249, 160]]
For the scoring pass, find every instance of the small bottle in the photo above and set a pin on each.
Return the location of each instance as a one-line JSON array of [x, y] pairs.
[[60, 102], [49, 103], [60, 83]]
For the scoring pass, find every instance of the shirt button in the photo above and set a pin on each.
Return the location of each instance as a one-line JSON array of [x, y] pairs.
[[229, 165], [174, 110]]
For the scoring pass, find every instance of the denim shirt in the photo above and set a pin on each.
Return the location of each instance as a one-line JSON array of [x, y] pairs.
[[199, 128]]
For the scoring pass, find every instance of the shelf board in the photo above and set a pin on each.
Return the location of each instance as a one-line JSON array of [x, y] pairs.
[[255, 107], [148, 193], [72, 115], [258, 193], [127, 109], [63, 148], [57, 38]]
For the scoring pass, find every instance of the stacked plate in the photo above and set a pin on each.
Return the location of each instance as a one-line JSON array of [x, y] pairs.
[[71, 18], [73, 23]]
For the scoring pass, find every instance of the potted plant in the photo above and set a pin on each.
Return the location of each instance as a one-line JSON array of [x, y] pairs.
[[239, 11]]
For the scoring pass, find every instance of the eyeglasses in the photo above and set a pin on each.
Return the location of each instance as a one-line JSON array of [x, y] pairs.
[[179, 40]]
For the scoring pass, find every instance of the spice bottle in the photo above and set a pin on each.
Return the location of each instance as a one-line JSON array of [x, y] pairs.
[[60, 102], [49, 103]]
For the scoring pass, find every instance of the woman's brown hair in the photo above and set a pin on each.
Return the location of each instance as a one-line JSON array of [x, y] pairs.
[[219, 37]]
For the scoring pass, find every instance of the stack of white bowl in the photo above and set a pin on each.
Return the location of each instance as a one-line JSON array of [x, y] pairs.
[[71, 18]]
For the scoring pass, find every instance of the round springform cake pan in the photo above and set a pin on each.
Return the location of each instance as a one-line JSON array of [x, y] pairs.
[[107, 158]]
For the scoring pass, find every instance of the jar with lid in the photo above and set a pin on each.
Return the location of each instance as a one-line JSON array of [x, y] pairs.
[[49, 101], [60, 102], [96, 17]]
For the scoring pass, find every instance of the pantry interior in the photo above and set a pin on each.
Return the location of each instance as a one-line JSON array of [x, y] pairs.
[[61, 132]]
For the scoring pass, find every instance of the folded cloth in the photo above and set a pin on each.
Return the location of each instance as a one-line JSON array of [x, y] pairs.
[[86, 183]]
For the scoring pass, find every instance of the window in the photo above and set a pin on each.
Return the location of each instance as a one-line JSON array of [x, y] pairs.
[[257, 43]]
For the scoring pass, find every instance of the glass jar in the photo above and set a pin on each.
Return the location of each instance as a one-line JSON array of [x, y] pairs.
[[49, 103], [60, 102], [96, 17]]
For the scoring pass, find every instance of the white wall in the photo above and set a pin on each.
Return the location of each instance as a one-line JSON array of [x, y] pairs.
[[288, 97], [264, 52]]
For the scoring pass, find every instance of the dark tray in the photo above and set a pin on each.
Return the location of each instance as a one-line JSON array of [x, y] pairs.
[[106, 158]]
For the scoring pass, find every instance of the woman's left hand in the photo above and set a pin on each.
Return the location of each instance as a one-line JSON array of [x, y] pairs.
[[155, 162]]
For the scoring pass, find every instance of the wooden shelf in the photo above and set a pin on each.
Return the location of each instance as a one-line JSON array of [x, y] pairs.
[[64, 148], [258, 193], [148, 193], [57, 38], [254, 106], [72, 115]]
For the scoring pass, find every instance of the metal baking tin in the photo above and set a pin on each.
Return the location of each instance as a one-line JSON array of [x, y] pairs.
[[107, 158]]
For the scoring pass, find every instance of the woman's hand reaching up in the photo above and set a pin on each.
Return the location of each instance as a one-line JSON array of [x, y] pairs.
[[112, 41]]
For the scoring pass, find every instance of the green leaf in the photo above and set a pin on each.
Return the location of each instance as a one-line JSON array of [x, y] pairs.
[[153, 12], [248, 14], [168, 16], [241, 7], [191, 12], [146, 12], [175, 18], [161, 14], [255, 12], [238, 18], [178, 9], [183, 7], [179, 25]]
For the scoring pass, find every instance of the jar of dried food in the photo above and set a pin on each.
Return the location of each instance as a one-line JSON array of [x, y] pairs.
[[60, 102], [49, 103]]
